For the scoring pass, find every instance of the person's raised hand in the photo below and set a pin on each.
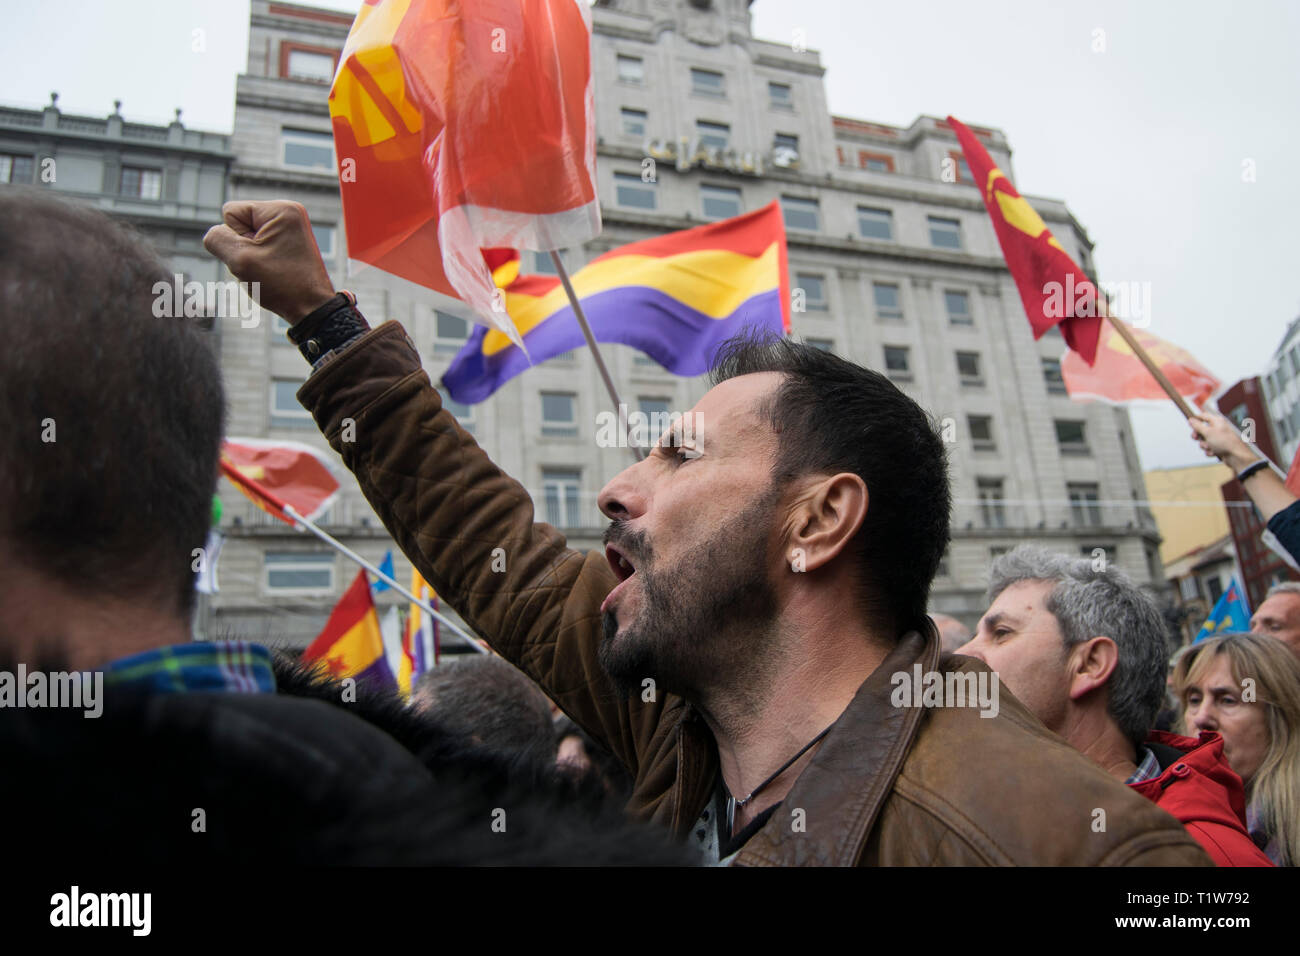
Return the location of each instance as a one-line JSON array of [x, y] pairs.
[[1218, 439], [271, 244]]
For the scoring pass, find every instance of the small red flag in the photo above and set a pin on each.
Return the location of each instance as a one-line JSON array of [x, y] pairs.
[[1119, 376], [1052, 287], [277, 473]]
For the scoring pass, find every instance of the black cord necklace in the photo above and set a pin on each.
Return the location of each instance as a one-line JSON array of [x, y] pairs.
[[732, 802]]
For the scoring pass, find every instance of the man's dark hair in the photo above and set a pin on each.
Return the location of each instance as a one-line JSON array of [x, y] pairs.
[[486, 700], [833, 416], [113, 416]]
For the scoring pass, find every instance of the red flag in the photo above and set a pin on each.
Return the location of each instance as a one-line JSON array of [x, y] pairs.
[[1293, 476], [1119, 376], [1053, 289], [460, 127], [279, 473]]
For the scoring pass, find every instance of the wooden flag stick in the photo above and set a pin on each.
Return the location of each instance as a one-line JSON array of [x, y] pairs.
[[595, 350], [1146, 359]]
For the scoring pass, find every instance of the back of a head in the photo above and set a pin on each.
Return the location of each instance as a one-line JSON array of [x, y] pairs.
[[1096, 599], [833, 417], [487, 701], [113, 416]]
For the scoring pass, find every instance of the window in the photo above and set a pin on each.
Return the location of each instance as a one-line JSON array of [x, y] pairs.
[[631, 190], [311, 65], [1214, 590], [720, 202], [968, 368], [958, 306], [875, 223], [897, 362], [1085, 507], [1071, 438], [707, 83], [631, 70], [141, 183], [285, 410], [324, 240], [657, 416], [945, 233], [801, 213], [992, 511], [780, 95], [450, 332], [633, 121], [996, 552], [307, 149], [712, 135], [981, 432], [559, 414], [825, 345], [888, 304], [561, 491], [814, 291], [16, 169], [1052, 375], [963, 170], [297, 572], [785, 150], [875, 162]]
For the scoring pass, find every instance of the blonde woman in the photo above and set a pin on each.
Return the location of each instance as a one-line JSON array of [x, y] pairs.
[[1247, 688]]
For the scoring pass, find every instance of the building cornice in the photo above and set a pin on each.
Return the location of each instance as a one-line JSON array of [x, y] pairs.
[[122, 142]]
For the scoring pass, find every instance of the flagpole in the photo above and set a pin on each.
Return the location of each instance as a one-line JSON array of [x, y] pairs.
[[348, 552], [595, 350]]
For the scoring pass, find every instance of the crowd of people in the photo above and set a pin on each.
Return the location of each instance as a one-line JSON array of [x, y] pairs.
[[718, 686]]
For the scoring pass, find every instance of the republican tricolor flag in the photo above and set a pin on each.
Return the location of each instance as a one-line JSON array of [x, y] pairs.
[[351, 643], [675, 297]]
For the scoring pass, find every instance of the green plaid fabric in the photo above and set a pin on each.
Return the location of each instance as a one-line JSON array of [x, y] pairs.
[[233, 666]]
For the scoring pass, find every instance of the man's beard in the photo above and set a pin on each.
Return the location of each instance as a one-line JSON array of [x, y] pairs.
[[703, 624]]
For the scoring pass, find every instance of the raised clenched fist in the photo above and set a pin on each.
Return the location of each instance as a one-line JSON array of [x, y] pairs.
[[271, 243]]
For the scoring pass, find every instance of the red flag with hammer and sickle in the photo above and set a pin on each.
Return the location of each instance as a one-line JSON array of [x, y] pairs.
[[1054, 290]]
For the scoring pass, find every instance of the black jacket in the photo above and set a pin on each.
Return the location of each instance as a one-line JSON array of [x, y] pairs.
[[279, 778]]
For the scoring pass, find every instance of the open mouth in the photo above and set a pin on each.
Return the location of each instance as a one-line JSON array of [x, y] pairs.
[[622, 567], [623, 570]]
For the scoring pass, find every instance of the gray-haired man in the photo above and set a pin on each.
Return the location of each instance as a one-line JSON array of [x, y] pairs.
[[1085, 650], [1278, 615]]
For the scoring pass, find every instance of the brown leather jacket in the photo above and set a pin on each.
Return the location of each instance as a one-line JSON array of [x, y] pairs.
[[889, 785]]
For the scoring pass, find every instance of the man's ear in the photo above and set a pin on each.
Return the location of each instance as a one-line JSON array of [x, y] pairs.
[[1092, 663], [823, 519]]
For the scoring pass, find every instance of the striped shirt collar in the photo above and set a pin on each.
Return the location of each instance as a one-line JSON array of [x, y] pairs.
[[1148, 768], [231, 666]]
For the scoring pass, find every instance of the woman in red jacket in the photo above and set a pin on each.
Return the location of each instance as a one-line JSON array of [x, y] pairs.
[[1246, 687]]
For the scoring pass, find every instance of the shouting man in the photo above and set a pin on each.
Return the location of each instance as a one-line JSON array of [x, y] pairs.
[[766, 574]]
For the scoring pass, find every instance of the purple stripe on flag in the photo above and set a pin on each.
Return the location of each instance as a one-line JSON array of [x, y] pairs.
[[378, 674], [678, 337]]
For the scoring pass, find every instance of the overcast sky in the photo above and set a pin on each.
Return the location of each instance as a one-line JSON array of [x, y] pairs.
[[1145, 139]]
